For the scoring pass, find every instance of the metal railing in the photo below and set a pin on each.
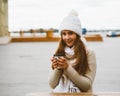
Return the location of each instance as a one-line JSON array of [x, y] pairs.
[[34, 32]]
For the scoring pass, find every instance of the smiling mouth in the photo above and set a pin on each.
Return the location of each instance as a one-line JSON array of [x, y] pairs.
[[69, 41]]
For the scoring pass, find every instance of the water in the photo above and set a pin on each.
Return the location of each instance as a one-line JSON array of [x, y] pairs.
[[25, 67]]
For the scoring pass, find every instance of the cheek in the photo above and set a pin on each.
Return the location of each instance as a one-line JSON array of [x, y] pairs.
[[74, 38], [63, 37]]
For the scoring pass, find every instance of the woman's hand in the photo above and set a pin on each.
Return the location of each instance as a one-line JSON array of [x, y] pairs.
[[54, 63], [59, 63], [62, 63]]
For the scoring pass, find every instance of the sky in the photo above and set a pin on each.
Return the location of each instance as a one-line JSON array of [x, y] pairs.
[[35, 14]]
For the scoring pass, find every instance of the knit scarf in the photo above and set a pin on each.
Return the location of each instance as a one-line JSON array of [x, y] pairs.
[[69, 51]]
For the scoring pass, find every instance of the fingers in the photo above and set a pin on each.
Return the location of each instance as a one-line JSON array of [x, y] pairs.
[[54, 63], [62, 63], [59, 63]]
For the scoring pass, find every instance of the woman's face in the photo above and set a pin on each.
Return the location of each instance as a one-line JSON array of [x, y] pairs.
[[69, 37]]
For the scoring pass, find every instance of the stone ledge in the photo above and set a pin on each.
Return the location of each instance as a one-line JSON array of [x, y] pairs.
[[76, 94]]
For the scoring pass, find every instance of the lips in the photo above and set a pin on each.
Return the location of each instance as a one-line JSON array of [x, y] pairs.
[[68, 41]]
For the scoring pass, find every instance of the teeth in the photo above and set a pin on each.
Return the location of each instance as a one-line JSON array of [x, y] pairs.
[[68, 40]]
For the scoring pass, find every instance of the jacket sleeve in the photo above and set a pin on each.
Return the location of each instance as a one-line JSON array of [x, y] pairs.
[[83, 82], [55, 77]]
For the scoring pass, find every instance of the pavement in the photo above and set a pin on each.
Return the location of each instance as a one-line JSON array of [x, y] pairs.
[[25, 67]]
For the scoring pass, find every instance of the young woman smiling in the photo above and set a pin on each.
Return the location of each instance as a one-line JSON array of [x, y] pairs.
[[75, 69]]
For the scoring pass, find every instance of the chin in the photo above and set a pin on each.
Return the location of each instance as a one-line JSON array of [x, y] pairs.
[[70, 45]]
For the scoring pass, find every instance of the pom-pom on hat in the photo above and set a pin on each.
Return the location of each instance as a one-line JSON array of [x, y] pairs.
[[71, 22]]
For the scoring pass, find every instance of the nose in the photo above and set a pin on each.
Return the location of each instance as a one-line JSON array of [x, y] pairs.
[[67, 36]]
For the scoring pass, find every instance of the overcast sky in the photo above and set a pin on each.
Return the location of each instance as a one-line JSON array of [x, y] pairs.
[[93, 14]]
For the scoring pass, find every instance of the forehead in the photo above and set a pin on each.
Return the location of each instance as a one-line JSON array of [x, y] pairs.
[[67, 31]]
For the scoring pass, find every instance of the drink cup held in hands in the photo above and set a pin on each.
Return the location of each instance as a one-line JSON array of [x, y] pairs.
[[56, 56]]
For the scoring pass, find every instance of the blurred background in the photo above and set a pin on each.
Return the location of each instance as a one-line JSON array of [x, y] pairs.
[[94, 14], [25, 66]]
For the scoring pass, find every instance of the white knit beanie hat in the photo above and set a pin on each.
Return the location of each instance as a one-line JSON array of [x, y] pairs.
[[71, 22]]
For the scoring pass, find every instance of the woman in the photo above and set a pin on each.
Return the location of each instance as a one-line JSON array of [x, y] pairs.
[[75, 70]]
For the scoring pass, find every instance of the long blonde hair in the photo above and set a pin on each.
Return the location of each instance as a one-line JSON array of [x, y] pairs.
[[81, 65]]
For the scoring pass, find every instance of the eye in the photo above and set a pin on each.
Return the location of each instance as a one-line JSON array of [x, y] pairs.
[[71, 32], [63, 33]]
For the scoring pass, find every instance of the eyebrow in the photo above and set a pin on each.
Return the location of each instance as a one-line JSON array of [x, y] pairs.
[[72, 31]]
